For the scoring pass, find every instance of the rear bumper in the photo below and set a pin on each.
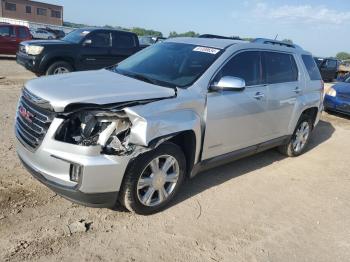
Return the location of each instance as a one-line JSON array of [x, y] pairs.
[[31, 63]]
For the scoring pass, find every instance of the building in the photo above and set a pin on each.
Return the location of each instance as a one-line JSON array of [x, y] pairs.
[[32, 11]]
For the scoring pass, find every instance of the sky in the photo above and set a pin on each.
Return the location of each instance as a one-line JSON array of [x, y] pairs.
[[321, 27]]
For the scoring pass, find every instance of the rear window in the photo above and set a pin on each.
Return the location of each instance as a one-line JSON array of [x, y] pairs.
[[121, 40], [280, 68], [22, 33], [311, 67]]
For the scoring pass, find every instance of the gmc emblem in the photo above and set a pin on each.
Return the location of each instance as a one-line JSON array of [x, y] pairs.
[[26, 114]]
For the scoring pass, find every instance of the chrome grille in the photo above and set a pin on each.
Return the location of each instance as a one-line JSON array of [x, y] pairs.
[[32, 123]]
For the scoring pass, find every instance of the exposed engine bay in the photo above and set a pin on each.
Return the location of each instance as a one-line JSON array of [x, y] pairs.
[[110, 130]]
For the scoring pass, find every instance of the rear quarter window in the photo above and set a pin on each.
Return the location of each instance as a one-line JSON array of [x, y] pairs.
[[311, 67], [280, 68]]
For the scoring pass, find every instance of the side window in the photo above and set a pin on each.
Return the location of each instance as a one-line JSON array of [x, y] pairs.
[[311, 67], [280, 68], [4, 31], [22, 33], [100, 39], [7, 31], [245, 65], [121, 40], [331, 64]]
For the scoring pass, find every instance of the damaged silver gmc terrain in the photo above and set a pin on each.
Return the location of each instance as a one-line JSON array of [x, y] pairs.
[[133, 132]]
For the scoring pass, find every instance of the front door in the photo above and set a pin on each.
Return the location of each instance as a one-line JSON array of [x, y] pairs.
[[8, 41], [238, 119], [95, 53]]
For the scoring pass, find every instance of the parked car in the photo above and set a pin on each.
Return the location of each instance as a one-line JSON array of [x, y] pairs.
[[150, 40], [328, 68], [133, 132], [83, 49], [337, 98], [42, 34], [11, 36], [59, 34]]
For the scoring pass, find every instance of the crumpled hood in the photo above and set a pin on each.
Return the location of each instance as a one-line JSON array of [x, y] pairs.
[[94, 87], [342, 88]]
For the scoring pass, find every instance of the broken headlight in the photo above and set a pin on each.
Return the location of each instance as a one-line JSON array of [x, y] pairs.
[[110, 130]]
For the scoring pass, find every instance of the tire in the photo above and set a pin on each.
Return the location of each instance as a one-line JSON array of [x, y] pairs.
[[60, 67], [291, 149], [137, 187]]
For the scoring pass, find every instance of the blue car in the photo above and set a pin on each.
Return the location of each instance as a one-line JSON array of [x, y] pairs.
[[337, 98]]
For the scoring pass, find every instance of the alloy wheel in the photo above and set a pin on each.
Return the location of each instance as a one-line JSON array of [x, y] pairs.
[[158, 180], [60, 70], [301, 136]]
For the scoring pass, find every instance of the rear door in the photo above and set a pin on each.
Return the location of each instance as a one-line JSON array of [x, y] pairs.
[[330, 68], [96, 52], [238, 119], [284, 87], [123, 46], [8, 41]]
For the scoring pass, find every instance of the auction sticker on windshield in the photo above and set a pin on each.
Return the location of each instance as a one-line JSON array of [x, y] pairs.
[[208, 50]]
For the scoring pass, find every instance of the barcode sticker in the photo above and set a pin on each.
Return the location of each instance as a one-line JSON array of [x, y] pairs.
[[208, 50]]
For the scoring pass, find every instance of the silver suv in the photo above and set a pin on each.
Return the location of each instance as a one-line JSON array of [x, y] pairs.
[[133, 132]]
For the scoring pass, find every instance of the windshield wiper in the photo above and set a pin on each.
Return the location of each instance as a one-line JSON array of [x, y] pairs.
[[146, 79]]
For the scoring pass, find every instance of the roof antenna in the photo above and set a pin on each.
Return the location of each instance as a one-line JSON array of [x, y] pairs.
[[276, 37]]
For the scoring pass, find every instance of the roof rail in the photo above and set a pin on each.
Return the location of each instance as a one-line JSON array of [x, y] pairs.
[[275, 42], [219, 37]]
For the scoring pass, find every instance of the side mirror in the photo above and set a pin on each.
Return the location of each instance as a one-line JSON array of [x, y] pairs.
[[229, 83], [87, 42]]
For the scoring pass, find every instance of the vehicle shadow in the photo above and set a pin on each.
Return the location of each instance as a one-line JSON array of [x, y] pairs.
[[7, 57], [220, 175], [338, 114]]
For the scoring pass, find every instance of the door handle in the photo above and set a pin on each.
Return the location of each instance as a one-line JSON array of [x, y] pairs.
[[90, 59], [259, 95], [297, 90]]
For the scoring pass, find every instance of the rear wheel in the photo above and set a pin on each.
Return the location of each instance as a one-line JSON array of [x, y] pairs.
[[300, 138], [60, 67], [153, 179]]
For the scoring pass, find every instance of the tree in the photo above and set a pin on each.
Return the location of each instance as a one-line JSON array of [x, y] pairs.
[[141, 32], [186, 34], [343, 56], [288, 41]]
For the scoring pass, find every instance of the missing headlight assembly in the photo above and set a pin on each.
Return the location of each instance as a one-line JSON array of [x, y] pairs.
[[110, 130]]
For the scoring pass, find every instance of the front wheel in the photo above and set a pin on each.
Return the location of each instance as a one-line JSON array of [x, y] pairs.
[[300, 138], [60, 67], [153, 179]]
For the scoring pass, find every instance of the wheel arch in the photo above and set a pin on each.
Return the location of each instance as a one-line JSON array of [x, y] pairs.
[[186, 140], [49, 61], [312, 113]]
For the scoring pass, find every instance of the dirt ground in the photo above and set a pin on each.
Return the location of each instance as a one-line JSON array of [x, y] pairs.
[[263, 208]]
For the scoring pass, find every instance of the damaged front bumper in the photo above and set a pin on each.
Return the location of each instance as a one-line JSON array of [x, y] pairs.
[[51, 163]]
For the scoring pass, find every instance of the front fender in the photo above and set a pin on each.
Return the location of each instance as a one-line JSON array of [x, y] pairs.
[[146, 129], [50, 56]]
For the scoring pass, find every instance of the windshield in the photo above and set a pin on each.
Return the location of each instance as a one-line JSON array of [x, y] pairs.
[[76, 36], [169, 64]]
